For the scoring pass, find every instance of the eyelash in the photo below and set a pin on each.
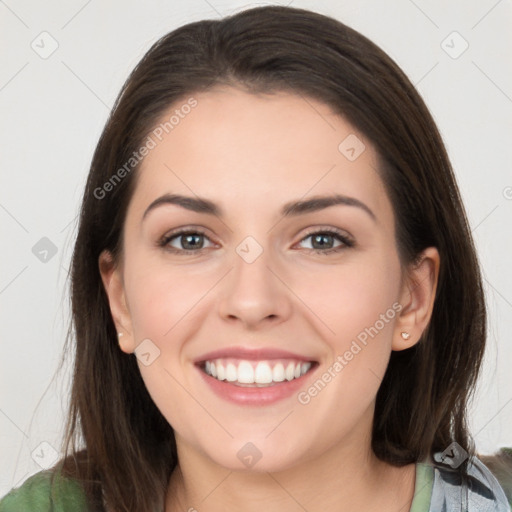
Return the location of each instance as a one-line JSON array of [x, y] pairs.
[[346, 241]]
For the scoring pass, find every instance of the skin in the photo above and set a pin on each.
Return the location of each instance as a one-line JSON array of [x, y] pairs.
[[251, 155]]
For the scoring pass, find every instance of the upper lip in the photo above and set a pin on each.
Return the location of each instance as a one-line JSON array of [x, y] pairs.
[[251, 354]]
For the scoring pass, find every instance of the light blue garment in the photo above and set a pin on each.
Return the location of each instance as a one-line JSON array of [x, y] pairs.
[[479, 492]]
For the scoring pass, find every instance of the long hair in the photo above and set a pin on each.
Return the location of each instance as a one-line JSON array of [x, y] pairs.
[[117, 443]]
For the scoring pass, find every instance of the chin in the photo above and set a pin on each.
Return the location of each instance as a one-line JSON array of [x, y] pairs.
[[257, 456]]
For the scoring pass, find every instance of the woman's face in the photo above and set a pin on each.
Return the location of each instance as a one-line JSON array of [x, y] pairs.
[[245, 296]]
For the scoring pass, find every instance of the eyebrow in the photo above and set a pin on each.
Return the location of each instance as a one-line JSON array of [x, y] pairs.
[[293, 208]]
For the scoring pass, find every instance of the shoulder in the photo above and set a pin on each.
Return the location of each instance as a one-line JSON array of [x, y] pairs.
[[45, 492], [478, 490], [500, 464]]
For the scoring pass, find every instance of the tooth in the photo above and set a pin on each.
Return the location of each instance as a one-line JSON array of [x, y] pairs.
[[305, 367], [263, 373], [231, 374], [278, 373], [290, 371], [245, 373], [221, 373]]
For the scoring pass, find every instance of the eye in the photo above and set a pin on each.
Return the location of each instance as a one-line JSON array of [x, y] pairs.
[[192, 241], [184, 241], [322, 242]]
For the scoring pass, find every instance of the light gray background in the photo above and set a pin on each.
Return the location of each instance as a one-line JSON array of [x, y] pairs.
[[52, 112]]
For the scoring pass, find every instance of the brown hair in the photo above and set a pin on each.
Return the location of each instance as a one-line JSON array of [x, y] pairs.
[[129, 448]]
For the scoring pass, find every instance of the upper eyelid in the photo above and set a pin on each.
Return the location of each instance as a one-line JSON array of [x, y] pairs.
[[331, 230], [184, 231]]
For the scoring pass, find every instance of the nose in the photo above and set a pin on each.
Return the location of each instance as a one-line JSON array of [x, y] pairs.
[[254, 293]]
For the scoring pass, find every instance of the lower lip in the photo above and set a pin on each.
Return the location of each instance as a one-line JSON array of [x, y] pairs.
[[255, 396]]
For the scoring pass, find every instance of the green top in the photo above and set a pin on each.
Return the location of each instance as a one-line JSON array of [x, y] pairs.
[[37, 495], [422, 488]]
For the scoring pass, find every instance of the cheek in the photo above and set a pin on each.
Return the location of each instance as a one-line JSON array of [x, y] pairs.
[[360, 307], [161, 297], [355, 297], [367, 304], [164, 302]]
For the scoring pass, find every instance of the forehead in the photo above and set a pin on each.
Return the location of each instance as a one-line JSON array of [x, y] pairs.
[[234, 145]]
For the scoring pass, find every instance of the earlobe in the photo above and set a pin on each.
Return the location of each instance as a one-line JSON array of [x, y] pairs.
[[417, 299], [111, 277]]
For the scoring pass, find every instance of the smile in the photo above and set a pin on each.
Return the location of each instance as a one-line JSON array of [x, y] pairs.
[[262, 373]]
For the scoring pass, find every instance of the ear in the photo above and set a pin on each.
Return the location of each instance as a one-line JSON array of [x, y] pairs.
[[111, 275], [417, 299]]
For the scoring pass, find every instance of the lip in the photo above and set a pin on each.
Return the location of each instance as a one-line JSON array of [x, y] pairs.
[[254, 396], [251, 354]]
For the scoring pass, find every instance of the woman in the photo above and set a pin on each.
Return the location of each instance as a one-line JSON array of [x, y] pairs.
[[276, 298]]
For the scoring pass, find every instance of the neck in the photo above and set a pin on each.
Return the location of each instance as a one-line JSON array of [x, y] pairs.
[[342, 479]]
